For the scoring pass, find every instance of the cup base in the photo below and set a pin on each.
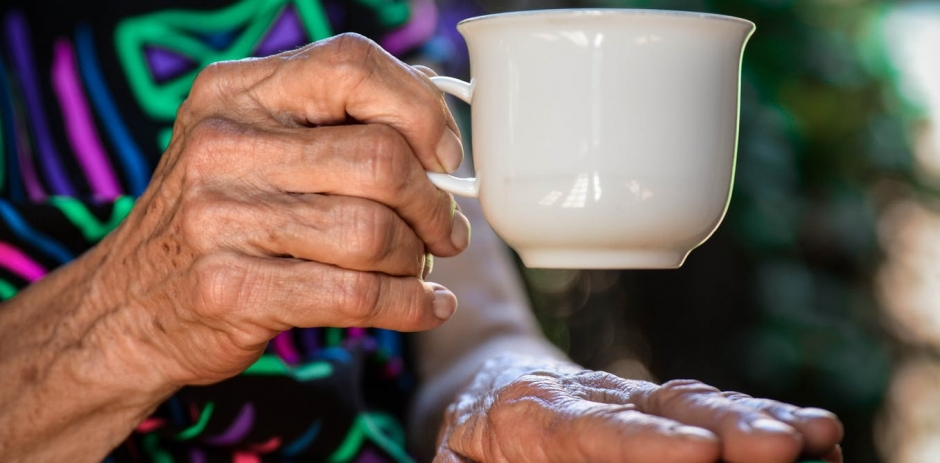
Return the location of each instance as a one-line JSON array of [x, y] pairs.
[[602, 259]]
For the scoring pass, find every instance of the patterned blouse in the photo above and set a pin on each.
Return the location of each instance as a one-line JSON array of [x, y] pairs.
[[88, 93]]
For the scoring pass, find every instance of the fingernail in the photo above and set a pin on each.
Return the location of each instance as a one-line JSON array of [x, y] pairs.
[[449, 151], [770, 426], [694, 433], [814, 413], [460, 234], [445, 303]]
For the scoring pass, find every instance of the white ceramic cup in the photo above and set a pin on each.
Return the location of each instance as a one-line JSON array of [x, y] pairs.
[[602, 138]]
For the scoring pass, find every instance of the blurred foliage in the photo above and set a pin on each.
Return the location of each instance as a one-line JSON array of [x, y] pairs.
[[780, 302]]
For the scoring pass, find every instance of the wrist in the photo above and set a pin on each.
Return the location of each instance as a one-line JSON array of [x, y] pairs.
[[117, 354], [475, 370], [74, 382]]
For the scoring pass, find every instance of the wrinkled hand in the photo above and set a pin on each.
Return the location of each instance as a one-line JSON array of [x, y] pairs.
[[520, 410], [293, 194]]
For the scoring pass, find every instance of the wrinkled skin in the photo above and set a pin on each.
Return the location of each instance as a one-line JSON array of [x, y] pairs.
[[293, 194], [527, 410]]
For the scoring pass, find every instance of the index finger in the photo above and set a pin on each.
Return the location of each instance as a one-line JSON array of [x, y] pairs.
[[347, 78]]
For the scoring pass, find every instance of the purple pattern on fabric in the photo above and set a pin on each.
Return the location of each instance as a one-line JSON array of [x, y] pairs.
[[197, 456], [421, 27], [80, 125], [285, 348], [31, 181], [310, 339], [361, 342], [447, 29], [20, 46], [286, 33], [165, 64], [236, 431], [370, 456]]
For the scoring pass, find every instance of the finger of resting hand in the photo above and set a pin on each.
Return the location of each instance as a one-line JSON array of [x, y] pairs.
[[747, 434], [606, 388], [352, 233], [367, 161], [821, 429], [349, 76], [582, 431], [278, 294], [536, 419]]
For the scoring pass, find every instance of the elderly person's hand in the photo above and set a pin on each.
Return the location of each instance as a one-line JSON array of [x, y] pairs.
[[293, 194], [520, 409]]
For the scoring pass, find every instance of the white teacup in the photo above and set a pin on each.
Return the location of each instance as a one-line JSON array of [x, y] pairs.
[[602, 138]]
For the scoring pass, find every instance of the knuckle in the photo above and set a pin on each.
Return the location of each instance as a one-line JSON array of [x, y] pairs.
[[601, 379], [688, 386], [350, 54], [378, 243], [357, 295], [527, 395], [527, 387], [384, 164], [676, 391], [203, 218], [192, 222], [736, 396], [210, 82], [211, 142], [220, 284], [351, 46], [229, 291], [371, 230]]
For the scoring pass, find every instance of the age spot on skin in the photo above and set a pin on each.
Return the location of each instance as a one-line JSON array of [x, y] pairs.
[[30, 375]]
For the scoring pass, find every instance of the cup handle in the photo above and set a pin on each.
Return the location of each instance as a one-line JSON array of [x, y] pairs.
[[456, 185]]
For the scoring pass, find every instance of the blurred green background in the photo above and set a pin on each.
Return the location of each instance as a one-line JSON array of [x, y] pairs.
[[784, 300]]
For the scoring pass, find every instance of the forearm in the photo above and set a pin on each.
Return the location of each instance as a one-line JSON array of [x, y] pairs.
[[439, 391], [70, 390], [493, 318]]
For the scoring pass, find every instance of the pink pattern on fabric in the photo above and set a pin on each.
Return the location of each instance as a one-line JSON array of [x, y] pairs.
[[79, 123], [285, 349], [245, 457], [150, 425], [269, 446], [15, 261]]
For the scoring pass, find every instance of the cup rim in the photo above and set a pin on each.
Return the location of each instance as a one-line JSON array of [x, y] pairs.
[[513, 15]]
